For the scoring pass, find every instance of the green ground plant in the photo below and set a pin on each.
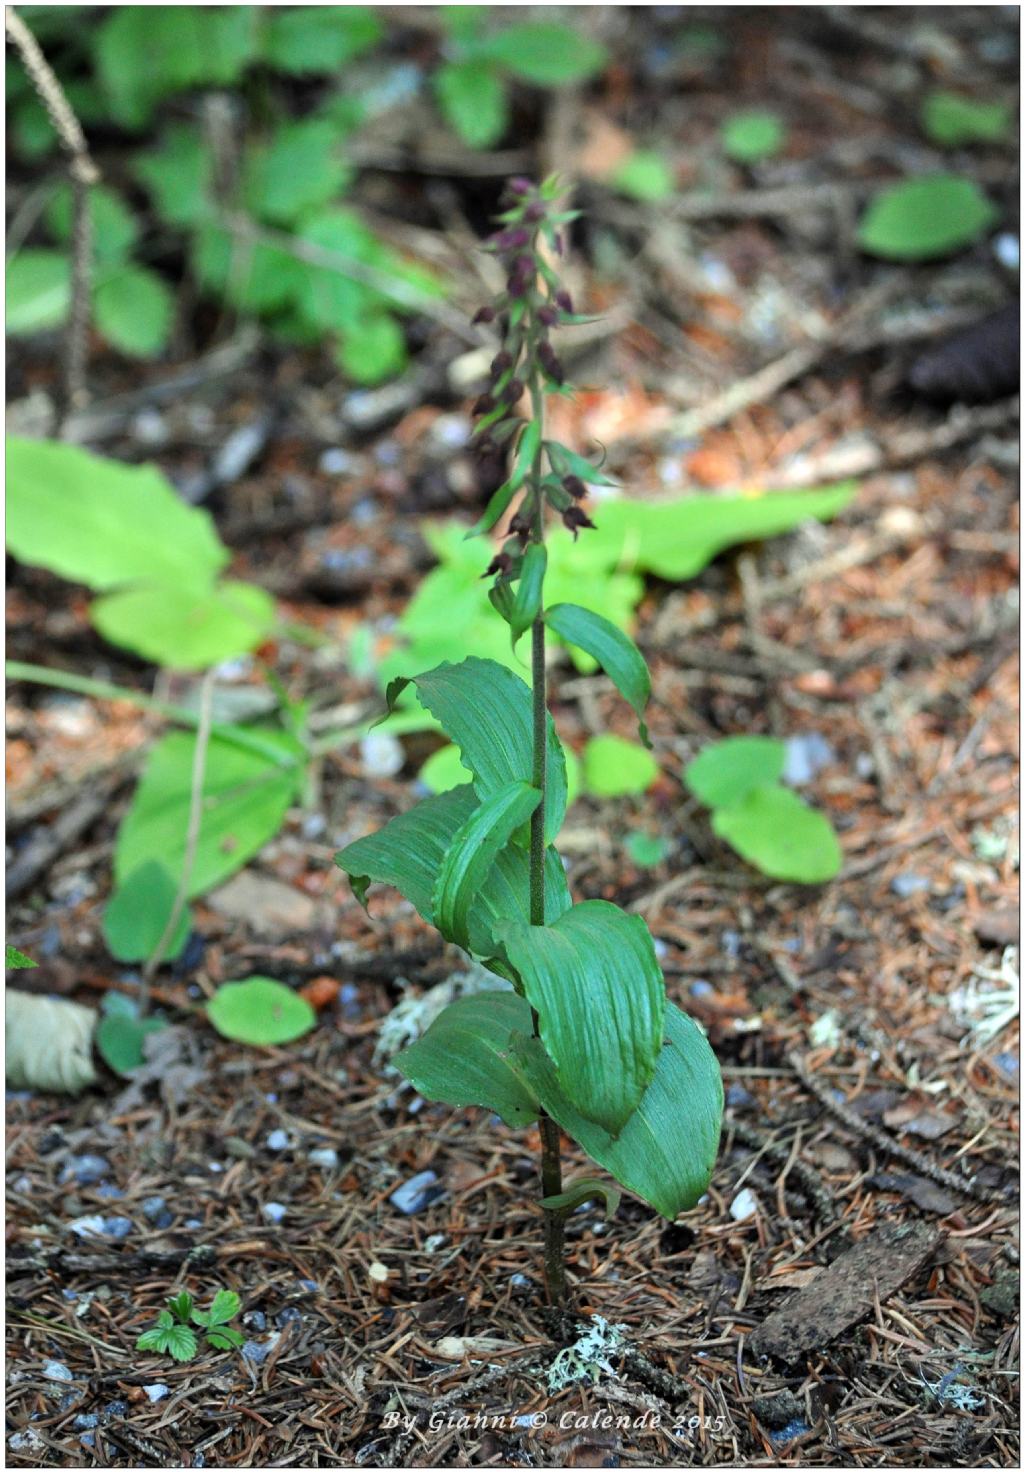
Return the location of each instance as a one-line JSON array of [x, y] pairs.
[[174, 1334], [582, 1037]]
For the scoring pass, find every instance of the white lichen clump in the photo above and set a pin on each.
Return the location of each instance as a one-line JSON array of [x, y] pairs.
[[588, 1357]]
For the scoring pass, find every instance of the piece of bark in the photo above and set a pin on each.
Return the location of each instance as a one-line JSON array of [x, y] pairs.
[[975, 365], [845, 1293], [998, 927]]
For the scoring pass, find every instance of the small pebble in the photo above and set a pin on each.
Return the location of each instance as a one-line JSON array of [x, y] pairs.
[[87, 1226], [157, 1392], [117, 1227], [278, 1140], [737, 1097], [701, 988], [256, 1350], [417, 1194], [908, 883], [451, 430], [55, 1370], [732, 942], [288, 1315], [1006, 248], [88, 1439], [325, 1157], [434, 1241], [255, 1319], [864, 766], [275, 1212], [24, 1441], [109, 1191], [115, 1408], [86, 1422], [309, 1285], [154, 1209], [336, 461], [744, 1205], [193, 1223], [84, 1170], [806, 754], [381, 754], [520, 1280]]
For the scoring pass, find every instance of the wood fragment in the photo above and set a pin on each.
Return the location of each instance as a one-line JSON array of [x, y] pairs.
[[845, 1293]]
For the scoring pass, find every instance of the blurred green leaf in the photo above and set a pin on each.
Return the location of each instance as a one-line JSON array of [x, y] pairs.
[[647, 849], [245, 798], [177, 174], [298, 169], [749, 137], [925, 219], [529, 591], [779, 834], [471, 96], [183, 628], [260, 1011], [546, 52], [645, 176], [471, 855], [252, 276], [613, 767], [317, 38], [114, 227], [16, 960], [727, 770], [443, 770], [38, 291], [951, 120], [373, 348], [617, 655], [134, 309], [137, 915], [121, 1039]]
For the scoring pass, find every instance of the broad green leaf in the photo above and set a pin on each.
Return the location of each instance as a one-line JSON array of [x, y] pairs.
[[443, 770], [300, 168], [613, 767], [584, 1188], [464, 1057], [138, 912], [779, 834], [496, 508], [114, 227], [546, 53], [487, 711], [527, 450], [223, 1338], [925, 219], [134, 309], [749, 137], [614, 651], [317, 38], [951, 120], [530, 591], [167, 37], [178, 174], [595, 982], [15, 960], [373, 348], [229, 42], [409, 851], [644, 175], [119, 1040], [97, 522], [183, 629], [725, 772], [261, 1011], [180, 1342], [471, 856], [38, 291], [676, 539], [666, 1151], [471, 96], [245, 798]]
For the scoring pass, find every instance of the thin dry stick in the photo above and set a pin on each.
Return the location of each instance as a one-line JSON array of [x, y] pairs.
[[83, 173], [195, 823]]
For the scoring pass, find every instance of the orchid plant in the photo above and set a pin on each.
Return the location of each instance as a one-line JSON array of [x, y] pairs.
[[581, 1037]]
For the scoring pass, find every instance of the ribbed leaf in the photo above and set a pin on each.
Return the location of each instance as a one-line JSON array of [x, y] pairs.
[[666, 1151], [465, 1057], [486, 710], [593, 977], [614, 651], [410, 850], [472, 853], [530, 592], [567, 462]]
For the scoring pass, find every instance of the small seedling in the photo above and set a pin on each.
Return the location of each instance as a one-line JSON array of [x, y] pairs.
[[586, 1041], [175, 1336]]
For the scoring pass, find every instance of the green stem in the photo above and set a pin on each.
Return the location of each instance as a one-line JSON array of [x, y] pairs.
[[551, 1159]]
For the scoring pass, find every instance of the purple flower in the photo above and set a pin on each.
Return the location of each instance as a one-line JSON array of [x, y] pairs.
[[563, 300], [575, 518], [575, 487], [485, 314]]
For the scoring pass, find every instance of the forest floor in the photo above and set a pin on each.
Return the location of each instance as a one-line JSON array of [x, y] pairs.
[[866, 1029]]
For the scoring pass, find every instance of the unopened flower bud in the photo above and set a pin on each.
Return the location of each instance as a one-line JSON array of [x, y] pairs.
[[517, 286], [512, 239], [534, 211], [549, 362], [575, 518], [484, 404], [501, 563], [485, 314], [500, 364], [547, 315], [521, 525], [520, 186], [513, 391], [574, 486], [563, 300]]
